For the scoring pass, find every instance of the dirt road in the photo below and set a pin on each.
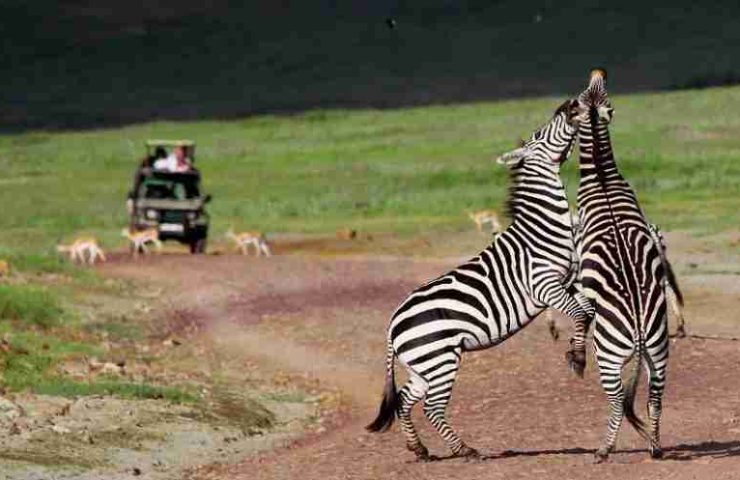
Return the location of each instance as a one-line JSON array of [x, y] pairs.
[[323, 319]]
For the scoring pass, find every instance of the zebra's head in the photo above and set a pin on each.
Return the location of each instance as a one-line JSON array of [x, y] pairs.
[[553, 142], [595, 97]]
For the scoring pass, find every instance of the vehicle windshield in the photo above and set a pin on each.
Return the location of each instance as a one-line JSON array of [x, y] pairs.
[[174, 188]]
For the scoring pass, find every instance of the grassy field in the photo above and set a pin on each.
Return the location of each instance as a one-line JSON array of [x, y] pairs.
[[409, 170], [110, 62]]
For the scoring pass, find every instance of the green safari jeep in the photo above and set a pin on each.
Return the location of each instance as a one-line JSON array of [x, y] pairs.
[[170, 201]]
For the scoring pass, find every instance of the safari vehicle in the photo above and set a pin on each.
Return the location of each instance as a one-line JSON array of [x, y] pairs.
[[170, 201]]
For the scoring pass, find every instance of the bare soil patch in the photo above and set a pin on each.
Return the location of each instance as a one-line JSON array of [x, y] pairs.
[[308, 332]]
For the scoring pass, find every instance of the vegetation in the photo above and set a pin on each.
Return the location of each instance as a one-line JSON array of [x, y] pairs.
[[31, 305], [405, 170]]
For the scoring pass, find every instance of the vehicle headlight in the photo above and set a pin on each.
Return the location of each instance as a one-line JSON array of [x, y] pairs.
[[151, 214], [192, 215]]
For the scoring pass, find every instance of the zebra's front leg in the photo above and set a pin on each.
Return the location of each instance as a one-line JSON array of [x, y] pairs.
[[553, 294], [410, 394], [587, 307], [435, 406]]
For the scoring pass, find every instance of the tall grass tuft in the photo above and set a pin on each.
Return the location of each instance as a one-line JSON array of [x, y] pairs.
[[30, 305]]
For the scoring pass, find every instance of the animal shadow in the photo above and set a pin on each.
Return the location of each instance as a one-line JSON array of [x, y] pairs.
[[680, 452]]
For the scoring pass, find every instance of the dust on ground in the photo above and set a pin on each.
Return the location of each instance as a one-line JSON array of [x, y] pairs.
[[312, 328]]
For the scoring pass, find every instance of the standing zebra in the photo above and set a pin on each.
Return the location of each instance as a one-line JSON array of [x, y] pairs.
[[622, 273], [673, 294], [486, 300]]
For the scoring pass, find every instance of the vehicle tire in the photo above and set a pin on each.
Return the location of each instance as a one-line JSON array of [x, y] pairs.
[[198, 247]]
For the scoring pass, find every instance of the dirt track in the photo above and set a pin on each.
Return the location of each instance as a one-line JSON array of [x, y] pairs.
[[325, 318]]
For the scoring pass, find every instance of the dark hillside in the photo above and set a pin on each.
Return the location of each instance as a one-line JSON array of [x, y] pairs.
[[88, 63]]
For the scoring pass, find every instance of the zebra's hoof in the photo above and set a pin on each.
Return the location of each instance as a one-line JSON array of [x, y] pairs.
[[467, 452], [601, 455], [656, 453], [421, 452], [576, 361]]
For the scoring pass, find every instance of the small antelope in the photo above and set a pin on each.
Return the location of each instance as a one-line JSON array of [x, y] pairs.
[[346, 234], [482, 217], [83, 250], [244, 239], [139, 240], [4, 268]]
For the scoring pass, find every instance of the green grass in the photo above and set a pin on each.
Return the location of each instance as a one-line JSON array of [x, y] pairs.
[[30, 366], [69, 388], [31, 305], [409, 170]]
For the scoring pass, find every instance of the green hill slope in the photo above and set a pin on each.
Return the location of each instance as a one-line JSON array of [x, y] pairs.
[[410, 170]]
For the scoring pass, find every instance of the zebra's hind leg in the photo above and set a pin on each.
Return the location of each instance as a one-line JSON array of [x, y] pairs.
[[410, 394], [611, 382], [435, 406], [657, 378]]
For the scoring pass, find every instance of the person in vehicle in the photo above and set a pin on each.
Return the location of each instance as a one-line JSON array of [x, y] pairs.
[[147, 163], [177, 161]]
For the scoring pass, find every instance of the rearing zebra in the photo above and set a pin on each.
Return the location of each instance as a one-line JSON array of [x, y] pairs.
[[486, 300], [622, 272]]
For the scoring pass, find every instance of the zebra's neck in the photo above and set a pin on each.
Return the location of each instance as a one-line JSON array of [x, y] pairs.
[[539, 208], [595, 147], [602, 185]]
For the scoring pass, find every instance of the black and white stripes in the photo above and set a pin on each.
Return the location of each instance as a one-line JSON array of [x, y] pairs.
[[486, 300], [622, 273]]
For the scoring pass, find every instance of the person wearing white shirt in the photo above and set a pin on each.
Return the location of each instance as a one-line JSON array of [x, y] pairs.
[[177, 161]]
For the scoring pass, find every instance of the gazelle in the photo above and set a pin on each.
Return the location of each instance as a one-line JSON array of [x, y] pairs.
[[140, 239], [244, 239], [4, 268], [482, 217], [83, 250]]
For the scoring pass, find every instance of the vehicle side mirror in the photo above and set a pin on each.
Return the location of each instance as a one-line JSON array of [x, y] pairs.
[[207, 198]]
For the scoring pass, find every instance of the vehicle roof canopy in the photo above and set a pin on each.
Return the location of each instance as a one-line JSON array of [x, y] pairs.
[[170, 143]]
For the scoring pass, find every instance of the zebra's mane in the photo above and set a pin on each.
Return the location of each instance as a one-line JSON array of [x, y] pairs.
[[517, 172], [516, 180]]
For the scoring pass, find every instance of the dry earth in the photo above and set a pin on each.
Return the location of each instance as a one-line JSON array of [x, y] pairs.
[[323, 319], [316, 323]]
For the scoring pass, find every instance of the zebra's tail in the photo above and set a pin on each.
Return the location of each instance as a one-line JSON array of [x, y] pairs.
[[673, 283], [630, 392], [389, 404]]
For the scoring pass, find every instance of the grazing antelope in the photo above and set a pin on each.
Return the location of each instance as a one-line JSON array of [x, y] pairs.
[[140, 239], [244, 239], [482, 217], [83, 250], [4, 268], [346, 234]]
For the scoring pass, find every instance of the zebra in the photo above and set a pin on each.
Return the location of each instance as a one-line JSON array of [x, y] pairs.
[[622, 273], [486, 300], [671, 288]]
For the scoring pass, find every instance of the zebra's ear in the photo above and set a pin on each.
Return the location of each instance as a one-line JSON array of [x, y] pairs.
[[513, 157]]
